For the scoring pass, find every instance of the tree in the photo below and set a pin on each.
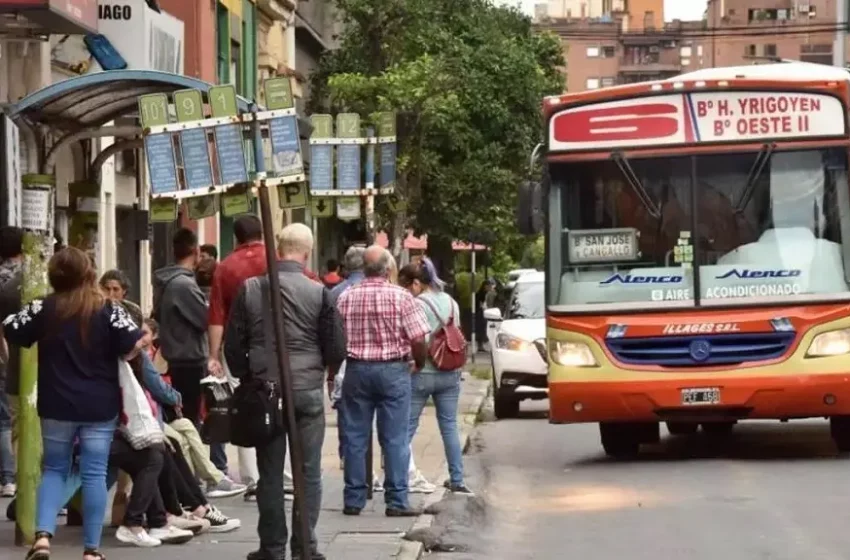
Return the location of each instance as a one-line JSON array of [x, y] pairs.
[[466, 79]]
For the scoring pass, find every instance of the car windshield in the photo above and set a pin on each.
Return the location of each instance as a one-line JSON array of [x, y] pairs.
[[700, 230], [527, 301]]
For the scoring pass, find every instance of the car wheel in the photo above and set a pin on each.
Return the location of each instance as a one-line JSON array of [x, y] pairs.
[[682, 428], [839, 428], [505, 406]]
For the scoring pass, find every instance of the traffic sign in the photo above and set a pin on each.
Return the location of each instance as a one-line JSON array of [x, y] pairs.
[[322, 207], [235, 204], [396, 204], [278, 94], [348, 208], [293, 195]]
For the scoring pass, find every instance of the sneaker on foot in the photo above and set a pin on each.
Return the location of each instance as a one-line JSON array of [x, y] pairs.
[[8, 491], [225, 489], [141, 539], [377, 486], [251, 493], [220, 523], [420, 485], [171, 535], [462, 489], [189, 523]]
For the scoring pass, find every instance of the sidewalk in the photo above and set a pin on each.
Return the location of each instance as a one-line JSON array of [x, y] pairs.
[[370, 536]]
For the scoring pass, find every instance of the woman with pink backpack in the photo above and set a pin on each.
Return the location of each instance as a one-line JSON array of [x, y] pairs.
[[440, 378]]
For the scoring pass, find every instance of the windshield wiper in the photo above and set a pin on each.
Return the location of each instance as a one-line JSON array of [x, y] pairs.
[[634, 182], [755, 172]]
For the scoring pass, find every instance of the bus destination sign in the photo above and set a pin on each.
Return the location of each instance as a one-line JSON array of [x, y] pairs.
[[703, 117], [603, 245]]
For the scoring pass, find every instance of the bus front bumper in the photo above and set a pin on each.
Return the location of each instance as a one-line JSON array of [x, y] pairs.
[[780, 397]]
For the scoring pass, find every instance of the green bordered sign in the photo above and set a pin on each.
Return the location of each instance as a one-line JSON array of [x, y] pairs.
[[386, 124], [153, 110], [163, 210], [189, 105], [323, 126], [348, 208], [236, 204], [348, 125], [322, 207], [292, 195], [201, 207], [223, 101], [278, 94]]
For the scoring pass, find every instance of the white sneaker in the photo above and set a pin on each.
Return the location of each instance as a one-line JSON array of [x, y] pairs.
[[141, 539], [225, 489], [220, 523], [189, 523], [171, 535], [377, 486], [8, 491], [418, 484]]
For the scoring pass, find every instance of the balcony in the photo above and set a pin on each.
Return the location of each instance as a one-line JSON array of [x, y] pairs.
[[651, 63]]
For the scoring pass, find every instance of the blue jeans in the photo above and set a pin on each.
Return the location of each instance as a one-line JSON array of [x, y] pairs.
[[382, 387], [7, 451], [58, 440], [444, 388], [218, 456]]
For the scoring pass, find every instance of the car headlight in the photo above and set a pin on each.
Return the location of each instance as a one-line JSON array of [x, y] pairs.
[[832, 343], [508, 342], [571, 354]]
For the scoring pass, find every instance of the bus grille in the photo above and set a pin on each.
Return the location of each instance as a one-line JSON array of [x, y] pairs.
[[701, 350]]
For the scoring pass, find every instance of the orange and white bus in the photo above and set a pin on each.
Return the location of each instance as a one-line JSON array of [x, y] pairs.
[[698, 252]]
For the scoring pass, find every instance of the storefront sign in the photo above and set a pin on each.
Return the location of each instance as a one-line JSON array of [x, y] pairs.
[[702, 117], [603, 245]]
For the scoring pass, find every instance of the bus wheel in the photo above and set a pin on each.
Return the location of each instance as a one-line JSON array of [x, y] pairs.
[[718, 428], [839, 428], [682, 428], [620, 441], [505, 406]]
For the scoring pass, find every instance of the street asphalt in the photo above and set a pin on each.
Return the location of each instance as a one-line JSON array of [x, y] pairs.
[[769, 491]]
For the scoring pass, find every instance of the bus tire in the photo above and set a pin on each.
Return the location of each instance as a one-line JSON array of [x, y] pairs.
[[620, 440], [505, 406], [682, 428], [718, 428], [839, 429]]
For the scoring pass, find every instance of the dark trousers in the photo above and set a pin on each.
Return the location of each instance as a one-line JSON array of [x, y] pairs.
[[218, 456], [186, 380], [177, 484], [381, 388], [144, 467], [272, 529]]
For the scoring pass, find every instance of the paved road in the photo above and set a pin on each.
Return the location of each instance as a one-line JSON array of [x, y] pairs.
[[771, 491]]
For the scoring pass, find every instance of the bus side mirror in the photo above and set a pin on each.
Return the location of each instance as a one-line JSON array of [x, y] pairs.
[[530, 211]]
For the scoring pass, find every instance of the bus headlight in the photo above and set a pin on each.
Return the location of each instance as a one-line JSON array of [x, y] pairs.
[[571, 354], [832, 343], [507, 342]]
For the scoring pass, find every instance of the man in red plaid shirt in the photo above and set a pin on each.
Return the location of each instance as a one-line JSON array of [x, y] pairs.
[[385, 329]]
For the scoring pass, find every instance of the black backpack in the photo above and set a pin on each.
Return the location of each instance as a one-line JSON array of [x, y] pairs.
[[256, 407]]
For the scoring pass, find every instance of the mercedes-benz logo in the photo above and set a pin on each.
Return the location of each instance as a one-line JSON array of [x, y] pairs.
[[700, 350]]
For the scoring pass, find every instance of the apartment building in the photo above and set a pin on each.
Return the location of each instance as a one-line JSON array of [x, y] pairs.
[[632, 14]]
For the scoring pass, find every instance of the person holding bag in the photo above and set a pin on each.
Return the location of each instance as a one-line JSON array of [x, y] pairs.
[[81, 336], [440, 377]]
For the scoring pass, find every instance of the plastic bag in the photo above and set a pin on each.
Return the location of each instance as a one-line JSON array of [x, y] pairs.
[[216, 396], [138, 425]]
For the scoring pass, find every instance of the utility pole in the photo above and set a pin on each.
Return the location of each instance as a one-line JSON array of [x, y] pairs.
[[839, 49]]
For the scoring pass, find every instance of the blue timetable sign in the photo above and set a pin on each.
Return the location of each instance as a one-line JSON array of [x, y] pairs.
[[196, 158], [231, 154], [321, 167], [348, 167], [162, 169]]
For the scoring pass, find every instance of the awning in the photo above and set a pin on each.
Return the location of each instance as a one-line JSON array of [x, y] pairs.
[[92, 100], [413, 243]]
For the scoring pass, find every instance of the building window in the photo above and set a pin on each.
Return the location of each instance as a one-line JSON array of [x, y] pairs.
[[685, 52], [236, 67], [222, 31], [784, 14], [769, 50], [607, 7], [608, 82], [686, 61], [699, 50], [592, 83], [609, 52], [816, 53], [649, 20], [760, 14], [750, 50], [592, 52]]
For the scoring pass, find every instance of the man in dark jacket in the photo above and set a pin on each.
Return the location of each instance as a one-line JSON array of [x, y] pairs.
[[315, 342], [180, 308]]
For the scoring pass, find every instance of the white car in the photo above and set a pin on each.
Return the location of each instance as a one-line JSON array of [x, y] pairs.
[[518, 346], [515, 274]]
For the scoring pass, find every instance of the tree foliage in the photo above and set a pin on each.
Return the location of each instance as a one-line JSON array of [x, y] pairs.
[[466, 79]]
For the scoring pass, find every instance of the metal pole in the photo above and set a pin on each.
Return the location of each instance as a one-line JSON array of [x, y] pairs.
[[839, 49], [284, 370], [474, 344]]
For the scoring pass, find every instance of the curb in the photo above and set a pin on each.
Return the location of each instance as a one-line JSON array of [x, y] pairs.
[[410, 550]]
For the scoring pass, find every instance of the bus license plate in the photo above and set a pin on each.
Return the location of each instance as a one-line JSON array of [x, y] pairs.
[[701, 396]]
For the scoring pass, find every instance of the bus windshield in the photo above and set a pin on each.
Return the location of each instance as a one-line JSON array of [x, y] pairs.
[[699, 230]]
